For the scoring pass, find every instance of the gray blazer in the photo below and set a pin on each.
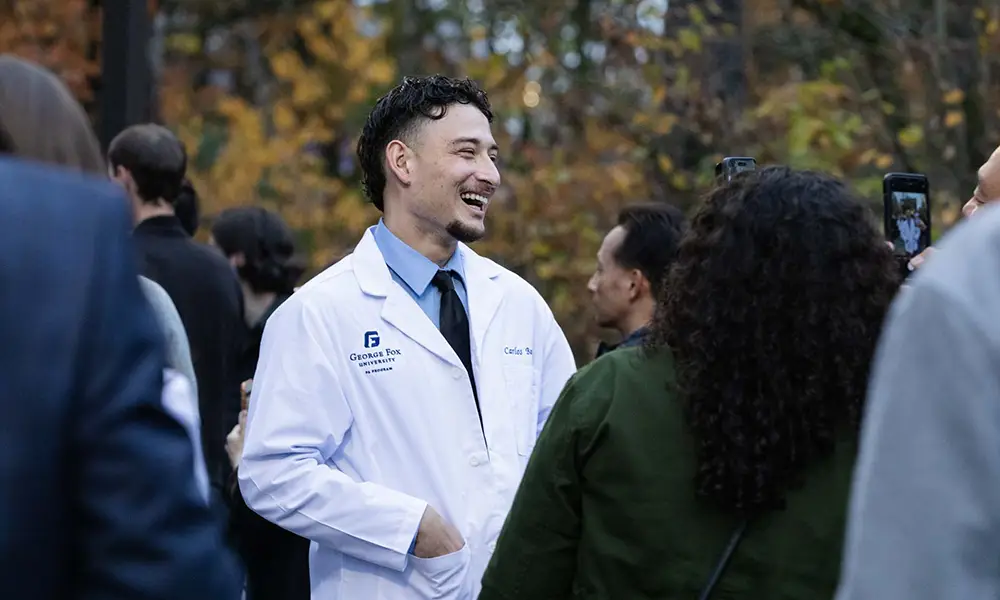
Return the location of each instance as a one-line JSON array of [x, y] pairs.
[[177, 349]]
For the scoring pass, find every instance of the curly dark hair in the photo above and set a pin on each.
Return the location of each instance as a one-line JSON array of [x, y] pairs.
[[397, 115], [772, 309]]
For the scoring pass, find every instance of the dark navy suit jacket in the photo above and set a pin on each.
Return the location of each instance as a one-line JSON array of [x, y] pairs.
[[97, 489]]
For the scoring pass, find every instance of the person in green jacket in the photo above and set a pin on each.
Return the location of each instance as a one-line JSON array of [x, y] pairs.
[[735, 424]]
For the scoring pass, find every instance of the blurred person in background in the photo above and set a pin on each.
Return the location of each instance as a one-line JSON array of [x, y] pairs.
[[735, 426], [399, 393], [149, 162], [925, 508], [28, 94], [180, 388], [261, 249], [631, 263], [28, 91], [99, 496]]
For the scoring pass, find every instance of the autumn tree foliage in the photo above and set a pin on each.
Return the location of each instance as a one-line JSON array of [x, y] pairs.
[[59, 34], [599, 103]]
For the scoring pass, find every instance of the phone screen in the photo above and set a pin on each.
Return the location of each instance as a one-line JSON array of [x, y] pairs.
[[910, 221]]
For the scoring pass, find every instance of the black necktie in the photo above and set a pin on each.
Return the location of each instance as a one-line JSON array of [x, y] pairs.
[[455, 325]]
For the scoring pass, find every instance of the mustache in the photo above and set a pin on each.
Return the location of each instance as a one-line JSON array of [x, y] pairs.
[[483, 190]]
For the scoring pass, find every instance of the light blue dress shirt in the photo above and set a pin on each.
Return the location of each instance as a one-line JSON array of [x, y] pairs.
[[414, 272]]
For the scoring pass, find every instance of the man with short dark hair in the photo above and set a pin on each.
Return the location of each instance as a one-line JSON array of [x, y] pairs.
[[400, 392], [631, 263], [149, 162]]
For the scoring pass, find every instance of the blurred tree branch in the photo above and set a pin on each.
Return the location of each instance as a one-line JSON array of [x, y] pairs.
[[877, 46]]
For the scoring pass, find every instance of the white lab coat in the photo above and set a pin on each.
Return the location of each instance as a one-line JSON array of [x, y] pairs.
[[361, 414]]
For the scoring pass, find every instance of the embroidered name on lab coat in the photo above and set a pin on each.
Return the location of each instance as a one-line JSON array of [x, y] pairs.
[[516, 351]]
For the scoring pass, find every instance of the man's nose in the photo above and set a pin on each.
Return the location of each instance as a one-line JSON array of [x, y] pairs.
[[490, 174]]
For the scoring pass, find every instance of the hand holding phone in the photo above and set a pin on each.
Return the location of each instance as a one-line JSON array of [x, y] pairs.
[[245, 393], [906, 206]]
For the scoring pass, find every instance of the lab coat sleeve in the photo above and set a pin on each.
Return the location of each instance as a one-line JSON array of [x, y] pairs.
[[557, 367], [923, 516], [297, 419]]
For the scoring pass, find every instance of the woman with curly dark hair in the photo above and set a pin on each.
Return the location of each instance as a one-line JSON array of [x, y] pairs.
[[720, 455]]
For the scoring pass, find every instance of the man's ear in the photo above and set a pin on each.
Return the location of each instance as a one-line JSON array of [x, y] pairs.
[[124, 177], [238, 260], [638, 284], [399, 161]]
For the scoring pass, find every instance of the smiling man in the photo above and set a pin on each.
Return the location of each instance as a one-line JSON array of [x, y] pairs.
[[399, 393]]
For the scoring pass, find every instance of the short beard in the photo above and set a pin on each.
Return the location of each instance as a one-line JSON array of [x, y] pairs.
[[464, 234]]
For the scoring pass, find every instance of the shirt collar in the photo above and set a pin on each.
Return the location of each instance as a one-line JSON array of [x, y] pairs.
[[415, 269], [636, 338], [168, 225]]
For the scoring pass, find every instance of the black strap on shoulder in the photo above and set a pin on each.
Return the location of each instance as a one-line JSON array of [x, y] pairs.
[[727, 554]]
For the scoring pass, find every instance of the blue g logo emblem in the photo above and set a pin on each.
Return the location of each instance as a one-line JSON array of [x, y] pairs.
[[371, 339]]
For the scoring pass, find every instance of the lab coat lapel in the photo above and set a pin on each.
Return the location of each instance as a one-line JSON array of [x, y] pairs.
[[402, 312], [399, 309], [485, 294]]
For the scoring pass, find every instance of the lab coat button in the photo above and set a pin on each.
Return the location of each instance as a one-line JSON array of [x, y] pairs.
[[475, 462], [493, 546], [456, 373]]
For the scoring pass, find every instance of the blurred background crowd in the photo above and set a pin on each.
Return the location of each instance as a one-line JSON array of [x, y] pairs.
[[599, 102]]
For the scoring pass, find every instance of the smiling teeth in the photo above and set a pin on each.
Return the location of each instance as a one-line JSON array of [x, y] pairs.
[[476, 197]]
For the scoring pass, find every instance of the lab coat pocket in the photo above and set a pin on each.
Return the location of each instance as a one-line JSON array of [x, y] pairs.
[[520, 380], [442, 577]]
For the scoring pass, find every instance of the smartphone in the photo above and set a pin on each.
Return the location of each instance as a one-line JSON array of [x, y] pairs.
[[906, 202], [731, 165]]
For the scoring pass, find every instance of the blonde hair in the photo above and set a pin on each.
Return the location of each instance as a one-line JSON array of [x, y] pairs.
[[40, 120]]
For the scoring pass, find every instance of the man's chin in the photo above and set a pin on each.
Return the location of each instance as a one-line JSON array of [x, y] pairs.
[[466, 232]]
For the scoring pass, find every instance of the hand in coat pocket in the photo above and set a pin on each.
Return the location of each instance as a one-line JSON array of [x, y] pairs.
[[442, 577]]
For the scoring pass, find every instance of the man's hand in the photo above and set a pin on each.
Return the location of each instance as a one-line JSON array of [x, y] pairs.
[[917, 261], [234, 441], [436, 537], [245, 393], [921, 258]]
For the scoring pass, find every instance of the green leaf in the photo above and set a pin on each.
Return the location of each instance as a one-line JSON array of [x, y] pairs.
[[911, 136]]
